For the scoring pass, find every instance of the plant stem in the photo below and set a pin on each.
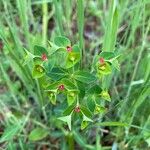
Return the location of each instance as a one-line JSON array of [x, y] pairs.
[[71, 141], [68, 11], [23, 13], [45, 21], [58, 16], [39, 93], [80, 23]]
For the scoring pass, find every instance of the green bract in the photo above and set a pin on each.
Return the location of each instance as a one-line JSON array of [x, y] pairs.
[[64, 82], [109, 62]]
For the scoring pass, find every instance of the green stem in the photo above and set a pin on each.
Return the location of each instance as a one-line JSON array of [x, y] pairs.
[[68, 11], [71, 141], [41, 102], [23, 13], [80, 22], [58, 15], [45, 21]]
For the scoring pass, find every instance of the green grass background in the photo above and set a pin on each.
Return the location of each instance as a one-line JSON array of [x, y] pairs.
[[108, 25]]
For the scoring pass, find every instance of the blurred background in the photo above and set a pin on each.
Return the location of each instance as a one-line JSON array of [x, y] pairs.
[[108, 25]]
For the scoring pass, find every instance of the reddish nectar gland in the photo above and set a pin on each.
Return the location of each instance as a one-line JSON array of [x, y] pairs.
[[61, 87], [1, 45], [101, 60], [44, 57], [69, 48], [77, 109]]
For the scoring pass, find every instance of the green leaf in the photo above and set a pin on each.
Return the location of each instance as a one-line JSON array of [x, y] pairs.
[[75, 48], [52, 48], [49, 65], [38, 71], [37, 61], [61, 58], [39, 50], [84, 76], [107, 55], [94, 90], [62, 41], [45, 80], [57, 74], [85, 111], [69, 85], [91, 102], [69, 110], [38, 134], [81, 87], [105, 95], [52, 87], [66, 119]]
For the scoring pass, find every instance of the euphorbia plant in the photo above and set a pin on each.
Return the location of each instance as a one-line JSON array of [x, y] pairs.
[[58, 66]]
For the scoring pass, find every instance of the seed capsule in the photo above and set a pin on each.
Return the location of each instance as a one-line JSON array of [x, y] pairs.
[[101, 60], [69, 48], [61, 87], [44, 57], [77, 109]]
